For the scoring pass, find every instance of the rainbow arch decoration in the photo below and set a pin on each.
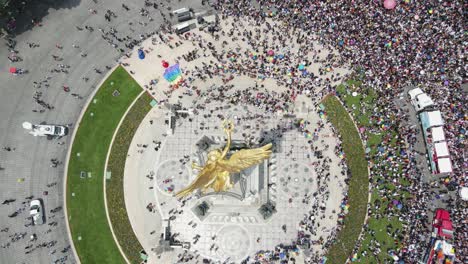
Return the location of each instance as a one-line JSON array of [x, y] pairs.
[[173, 74]]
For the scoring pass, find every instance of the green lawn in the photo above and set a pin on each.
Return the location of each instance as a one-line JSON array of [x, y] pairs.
[[358, 184], [85, 197], [363, 106], [114, 188]]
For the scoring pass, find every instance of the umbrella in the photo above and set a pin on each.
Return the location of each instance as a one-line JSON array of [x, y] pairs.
[[301, 67], [271, 53], [12, 70], [165, 64], [464, 193]]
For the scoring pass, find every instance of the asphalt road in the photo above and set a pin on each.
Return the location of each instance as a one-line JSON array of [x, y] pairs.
[[29, 158]]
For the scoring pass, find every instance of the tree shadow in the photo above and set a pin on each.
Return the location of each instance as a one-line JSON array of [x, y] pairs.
[[22, 18]]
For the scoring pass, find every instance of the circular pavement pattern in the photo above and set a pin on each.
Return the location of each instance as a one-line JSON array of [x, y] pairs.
[[297, 179], [234, 242], [172, 176]]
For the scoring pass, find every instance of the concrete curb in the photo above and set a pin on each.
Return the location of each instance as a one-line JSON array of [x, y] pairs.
[[65, 173], [105, 170]]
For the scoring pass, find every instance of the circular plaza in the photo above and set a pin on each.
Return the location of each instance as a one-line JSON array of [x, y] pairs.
[[297, 194], [303, 181]]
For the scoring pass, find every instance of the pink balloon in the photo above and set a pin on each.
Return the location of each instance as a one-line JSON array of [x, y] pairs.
[[389, 4]]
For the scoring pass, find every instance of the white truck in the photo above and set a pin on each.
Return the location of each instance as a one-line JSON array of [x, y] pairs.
[[43, 129], [420, 100], [36, 212]]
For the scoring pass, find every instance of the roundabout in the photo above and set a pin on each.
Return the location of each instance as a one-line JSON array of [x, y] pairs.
[[323, 159]]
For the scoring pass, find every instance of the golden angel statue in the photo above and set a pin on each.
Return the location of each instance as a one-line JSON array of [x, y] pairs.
[[216, 172]]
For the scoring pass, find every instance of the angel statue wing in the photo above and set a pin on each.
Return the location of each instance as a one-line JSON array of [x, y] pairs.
[[245, 158], [204, 179]]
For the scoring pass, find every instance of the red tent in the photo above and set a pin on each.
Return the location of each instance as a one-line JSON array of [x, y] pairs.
[[442, 224]]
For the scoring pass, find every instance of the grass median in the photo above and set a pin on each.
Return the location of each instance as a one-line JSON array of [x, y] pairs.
[[358, 191], [90, 230], [386, 229], [364, 109], [114, 187]]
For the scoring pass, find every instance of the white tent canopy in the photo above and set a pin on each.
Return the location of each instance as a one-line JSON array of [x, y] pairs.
[[437, 134], [435, 118], [431, 119], [444, 165], [441, 149]]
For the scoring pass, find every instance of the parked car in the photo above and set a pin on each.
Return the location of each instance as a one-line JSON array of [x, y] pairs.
[[36, 212]]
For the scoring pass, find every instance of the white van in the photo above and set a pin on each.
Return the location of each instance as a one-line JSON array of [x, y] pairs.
[[186, 26], [185, 16], [181, 10]]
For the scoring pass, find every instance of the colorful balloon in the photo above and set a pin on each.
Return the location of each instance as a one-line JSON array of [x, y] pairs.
[[390, 4]]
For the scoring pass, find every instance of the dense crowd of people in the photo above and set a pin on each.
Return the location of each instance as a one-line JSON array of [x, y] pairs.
[[417, 43], [388, 65]]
